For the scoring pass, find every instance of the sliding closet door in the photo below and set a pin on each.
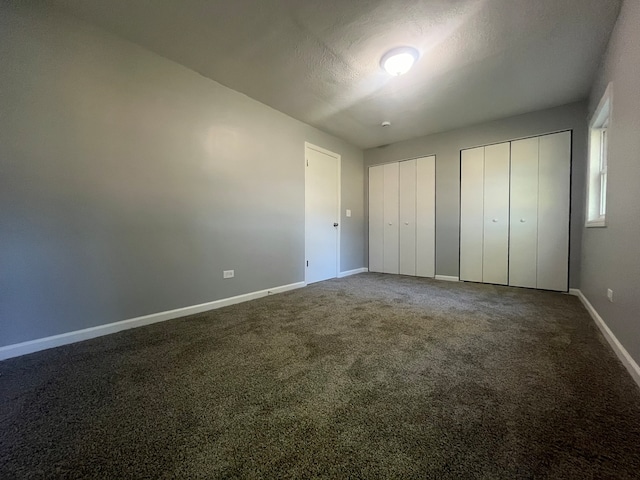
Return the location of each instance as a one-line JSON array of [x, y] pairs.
[[553, 211], [471, 214], [391, 206], [407, 217], [523, 249], [426, 216], [376, 218], [495, 253]]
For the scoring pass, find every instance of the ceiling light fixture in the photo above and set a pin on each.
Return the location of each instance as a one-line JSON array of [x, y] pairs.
[[399, 60]]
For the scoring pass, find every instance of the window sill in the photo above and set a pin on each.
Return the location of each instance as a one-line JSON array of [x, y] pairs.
[[596, 224]]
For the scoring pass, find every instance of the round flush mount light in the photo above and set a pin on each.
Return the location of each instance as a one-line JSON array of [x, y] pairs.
[[399, 60]]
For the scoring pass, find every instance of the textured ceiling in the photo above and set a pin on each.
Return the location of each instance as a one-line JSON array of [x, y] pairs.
[[318, 60]]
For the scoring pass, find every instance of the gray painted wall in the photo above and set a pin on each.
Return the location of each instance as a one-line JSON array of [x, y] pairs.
[[128, 183], [611, 255], [446, 147]]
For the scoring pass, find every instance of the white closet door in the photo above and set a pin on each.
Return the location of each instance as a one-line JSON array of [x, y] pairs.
[[495, 255], [408, 217], [471, 214], [426, 216], [553, 211], [376, 218], [523, 248], [391, 206]]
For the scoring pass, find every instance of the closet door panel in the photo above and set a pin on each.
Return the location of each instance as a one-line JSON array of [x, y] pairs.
[[407, 217], [553, 211], [523, 237], [391, 231], [376, 218], [495, 255], [426, 216], [471, 214]]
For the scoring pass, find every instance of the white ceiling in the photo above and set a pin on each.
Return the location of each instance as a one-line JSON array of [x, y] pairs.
[[318, 60]]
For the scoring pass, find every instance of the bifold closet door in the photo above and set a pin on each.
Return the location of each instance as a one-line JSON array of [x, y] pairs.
[[484, 214], [402, 217], [554, 170], [523, 249], [407, 183], [391, 240], [376, 218], [495, 252], [426, 216], [471, 214], [514, 212], [539, 250]]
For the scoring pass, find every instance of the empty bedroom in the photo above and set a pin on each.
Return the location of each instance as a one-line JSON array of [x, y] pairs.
[[301, 239]]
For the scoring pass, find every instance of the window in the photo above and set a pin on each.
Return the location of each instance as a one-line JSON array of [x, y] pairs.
[[598, 159]]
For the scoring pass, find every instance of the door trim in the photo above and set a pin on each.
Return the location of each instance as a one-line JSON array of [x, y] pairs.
[[338, 157]]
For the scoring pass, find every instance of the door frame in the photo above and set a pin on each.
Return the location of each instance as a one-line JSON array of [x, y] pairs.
[[338, 157]]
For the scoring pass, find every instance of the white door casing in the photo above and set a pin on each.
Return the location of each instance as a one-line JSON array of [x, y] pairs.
[[322, 214]]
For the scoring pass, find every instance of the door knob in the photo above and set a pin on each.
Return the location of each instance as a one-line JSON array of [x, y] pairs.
[[522, 220], [335, 224], [406, 223], [495, 220], [390, 223]]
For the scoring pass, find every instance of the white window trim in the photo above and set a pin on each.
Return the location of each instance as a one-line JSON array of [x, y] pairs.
[[599, 148]]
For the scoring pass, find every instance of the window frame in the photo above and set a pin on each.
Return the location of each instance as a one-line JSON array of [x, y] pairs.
[[599, 153]]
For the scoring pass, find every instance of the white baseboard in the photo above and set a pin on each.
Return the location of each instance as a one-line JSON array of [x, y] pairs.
[[31, 346], [447, 278], [626, 359], [352, 272]]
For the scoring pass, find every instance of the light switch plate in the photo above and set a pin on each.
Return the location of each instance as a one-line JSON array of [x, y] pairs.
[[228, 273], [348, 212]]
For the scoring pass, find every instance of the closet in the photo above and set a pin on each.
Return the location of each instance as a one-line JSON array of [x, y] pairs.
[[514, 212], [402, 217]]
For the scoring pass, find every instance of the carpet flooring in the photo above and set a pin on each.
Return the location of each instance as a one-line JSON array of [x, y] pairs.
[[370, 376]]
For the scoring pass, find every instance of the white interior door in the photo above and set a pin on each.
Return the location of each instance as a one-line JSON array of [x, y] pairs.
[[322, 214], [426, 216], [376, 218], [407, 186], [495, 255], [391, 213], [471, 214], [523, 237], [553, 211]]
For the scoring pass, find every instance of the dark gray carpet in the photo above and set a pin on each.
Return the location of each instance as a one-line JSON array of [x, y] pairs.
[[370, 376]]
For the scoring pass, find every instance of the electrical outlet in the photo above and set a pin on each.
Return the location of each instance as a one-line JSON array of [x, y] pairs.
[[610, 294], [228, 274]]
